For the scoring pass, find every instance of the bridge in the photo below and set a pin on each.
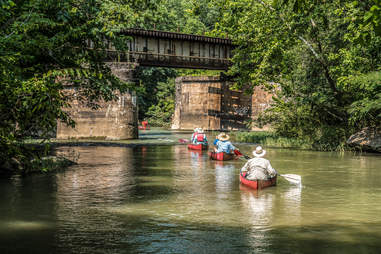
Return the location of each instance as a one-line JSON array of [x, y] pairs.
[[174, 50], [119, 119]]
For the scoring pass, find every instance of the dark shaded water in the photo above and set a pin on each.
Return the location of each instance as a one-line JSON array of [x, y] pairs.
[[166, 199]]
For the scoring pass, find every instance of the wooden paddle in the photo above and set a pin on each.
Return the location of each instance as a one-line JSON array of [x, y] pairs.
[[292, 178]]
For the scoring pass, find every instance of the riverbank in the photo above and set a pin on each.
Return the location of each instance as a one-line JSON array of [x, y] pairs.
[[161, 136], [46, 164], [270, 139], [364, 141]]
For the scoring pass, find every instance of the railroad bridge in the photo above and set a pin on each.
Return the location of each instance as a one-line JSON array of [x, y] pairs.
[[174, 50], [118, 119]]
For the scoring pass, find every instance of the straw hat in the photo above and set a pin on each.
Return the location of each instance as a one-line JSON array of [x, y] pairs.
[[259, 152], [223, 136]]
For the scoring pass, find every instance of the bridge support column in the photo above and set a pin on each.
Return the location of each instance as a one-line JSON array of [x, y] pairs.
[[114, 120], [207, 102]]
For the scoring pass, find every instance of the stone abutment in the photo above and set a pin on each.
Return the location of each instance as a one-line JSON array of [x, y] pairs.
[[207, 102], [113, 120]]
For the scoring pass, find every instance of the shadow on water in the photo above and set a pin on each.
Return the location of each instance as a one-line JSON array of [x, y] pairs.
[[326, 238], [27, 214]]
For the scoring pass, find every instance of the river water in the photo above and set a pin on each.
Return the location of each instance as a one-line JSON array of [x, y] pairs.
[[165, 199]]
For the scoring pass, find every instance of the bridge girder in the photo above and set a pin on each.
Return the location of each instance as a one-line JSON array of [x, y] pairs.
[[175, 50]]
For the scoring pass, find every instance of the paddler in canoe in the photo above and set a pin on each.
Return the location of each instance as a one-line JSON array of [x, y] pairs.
[[224, 149], [198, 140], [199, 137], [259, 168], [223, 144]]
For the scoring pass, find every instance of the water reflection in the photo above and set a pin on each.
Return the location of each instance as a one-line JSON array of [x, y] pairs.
[[258, 205], [112, 175], [196, 159], [292, 199], [225, 177], [104, 177]]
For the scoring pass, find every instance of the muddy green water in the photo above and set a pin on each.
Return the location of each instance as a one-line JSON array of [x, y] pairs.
[[166, 199]]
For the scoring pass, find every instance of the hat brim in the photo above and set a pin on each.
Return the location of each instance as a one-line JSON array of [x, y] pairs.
[[224, 139], [259, 154]]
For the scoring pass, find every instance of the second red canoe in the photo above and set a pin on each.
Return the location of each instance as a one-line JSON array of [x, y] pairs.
[[221, 156]]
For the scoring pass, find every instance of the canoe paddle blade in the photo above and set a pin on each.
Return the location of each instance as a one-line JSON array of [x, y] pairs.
[[292, 178]]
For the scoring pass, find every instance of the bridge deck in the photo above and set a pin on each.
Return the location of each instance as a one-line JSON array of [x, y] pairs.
[[176, 50]]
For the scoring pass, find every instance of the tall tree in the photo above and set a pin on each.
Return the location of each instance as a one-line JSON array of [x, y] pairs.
[[312, 53], [43, 46]]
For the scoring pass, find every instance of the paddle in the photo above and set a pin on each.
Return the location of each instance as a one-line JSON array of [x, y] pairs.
[[238, 153], [183, 140], [292, 178]]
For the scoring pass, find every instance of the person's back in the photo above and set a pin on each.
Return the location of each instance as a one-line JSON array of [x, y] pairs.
[[259, 168], [224, 145], [199, 137], [194, 135]]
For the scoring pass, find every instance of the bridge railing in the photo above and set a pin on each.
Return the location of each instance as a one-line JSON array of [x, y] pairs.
[[168, 60], [168, 49]]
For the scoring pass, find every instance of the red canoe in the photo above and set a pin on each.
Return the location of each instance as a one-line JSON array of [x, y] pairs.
[[258, 184], [197, 147], [221, 156]]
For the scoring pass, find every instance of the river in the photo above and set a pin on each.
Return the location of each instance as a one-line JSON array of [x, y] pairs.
[[165, 199]]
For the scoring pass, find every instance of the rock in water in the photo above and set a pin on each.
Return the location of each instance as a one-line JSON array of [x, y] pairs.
[[368, 139]]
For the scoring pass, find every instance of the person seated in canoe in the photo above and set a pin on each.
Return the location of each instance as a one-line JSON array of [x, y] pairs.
[[194, 134], [223, 144], [145, 124], [199, 137], [259, 168], [215, 141]]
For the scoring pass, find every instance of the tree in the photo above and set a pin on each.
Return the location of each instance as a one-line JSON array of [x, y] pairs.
[[312, 52], [195, 17], [43, 47], [149, 87], [160, 114]]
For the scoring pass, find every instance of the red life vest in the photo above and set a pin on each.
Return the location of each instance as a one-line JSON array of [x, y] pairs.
[[200, 137]]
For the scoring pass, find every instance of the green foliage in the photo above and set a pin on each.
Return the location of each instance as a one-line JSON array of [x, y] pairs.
[[196, 17], [161, 113], [312, 55], [365, 111], [44, 47], [149, 88], [270, 139], [373, 16]]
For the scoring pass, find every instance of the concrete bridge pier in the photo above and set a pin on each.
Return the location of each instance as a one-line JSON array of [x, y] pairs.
[[114, 120], [208, 102]]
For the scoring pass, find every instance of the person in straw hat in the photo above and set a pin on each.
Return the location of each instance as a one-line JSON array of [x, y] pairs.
[[259, 168], [199, 137], [223, 144]]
